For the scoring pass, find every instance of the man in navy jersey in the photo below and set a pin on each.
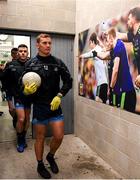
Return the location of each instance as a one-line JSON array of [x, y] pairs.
[[12, 110], [12, 76], [47, 101], [133, 34]]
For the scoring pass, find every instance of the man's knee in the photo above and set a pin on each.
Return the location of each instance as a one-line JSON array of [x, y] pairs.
[[58, 137], [20, 120], [40, 137]]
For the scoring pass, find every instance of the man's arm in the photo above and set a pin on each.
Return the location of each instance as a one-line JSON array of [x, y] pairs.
[[122, 36], [87, 55], [115, 72], [66, 79], [105, 55], [67, 85]]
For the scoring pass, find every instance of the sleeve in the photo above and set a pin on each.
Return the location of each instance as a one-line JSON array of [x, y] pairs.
[[27, 69], [1, 74], [87, 55], [27, 64], [118, 50], [6, 82], [66, 79]]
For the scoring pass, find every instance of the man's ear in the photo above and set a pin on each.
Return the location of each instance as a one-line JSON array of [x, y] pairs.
[[91, 42]]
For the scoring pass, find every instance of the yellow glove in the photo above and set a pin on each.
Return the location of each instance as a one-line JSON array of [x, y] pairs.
[[55, 103], [30, 89]]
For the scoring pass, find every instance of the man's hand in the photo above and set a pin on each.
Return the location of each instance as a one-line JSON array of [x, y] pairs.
[[94, 53], [137, 81], [2, 66], [55, 103], [30, 89]]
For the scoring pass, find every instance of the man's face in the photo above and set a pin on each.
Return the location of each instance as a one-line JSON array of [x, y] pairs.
[[14, 55], [109, 41], [91, 44], [23, 53], [44, 46], [131, 22]]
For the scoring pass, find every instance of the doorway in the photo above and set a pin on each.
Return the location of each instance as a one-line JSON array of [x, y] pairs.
[[63, 49]]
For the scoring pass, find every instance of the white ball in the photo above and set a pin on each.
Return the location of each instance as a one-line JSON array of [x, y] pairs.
[[104, 26], [31, 77]]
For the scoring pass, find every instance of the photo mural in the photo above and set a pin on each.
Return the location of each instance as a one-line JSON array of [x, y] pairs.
[[109, 61]]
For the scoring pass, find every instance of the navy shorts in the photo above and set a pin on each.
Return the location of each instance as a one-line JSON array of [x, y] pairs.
[[19, 104], [48, 120]]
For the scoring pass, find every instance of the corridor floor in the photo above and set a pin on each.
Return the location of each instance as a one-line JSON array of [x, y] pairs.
[[75, 159]]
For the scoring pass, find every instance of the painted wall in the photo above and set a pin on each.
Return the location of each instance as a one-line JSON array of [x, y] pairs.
[[113, 133], [38, 15]]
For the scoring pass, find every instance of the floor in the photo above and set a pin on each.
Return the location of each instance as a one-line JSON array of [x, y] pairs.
[[75, 159]]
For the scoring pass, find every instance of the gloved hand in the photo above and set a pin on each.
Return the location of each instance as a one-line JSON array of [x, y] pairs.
[[55, 103], [30, 89], [94, 53]]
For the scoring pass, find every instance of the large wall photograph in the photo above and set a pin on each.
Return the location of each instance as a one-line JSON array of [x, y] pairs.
[[109, 61]]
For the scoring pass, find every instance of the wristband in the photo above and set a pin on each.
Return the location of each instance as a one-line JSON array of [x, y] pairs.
[[60, 95], [94, 53]]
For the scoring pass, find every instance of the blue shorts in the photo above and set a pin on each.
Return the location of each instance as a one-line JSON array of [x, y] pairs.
[[22, 106], [48, 120], [9, 98]]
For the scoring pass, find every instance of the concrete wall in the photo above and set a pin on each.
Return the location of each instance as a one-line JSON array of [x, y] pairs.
[[114, 134], [38, 15]]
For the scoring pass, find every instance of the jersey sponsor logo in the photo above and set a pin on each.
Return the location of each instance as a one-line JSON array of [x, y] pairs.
[[55, 69], [46, 67]]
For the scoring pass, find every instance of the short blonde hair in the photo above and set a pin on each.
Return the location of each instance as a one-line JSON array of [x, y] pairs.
[[42, 35]]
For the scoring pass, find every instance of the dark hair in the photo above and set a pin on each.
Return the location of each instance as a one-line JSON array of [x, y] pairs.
[[42, 35], [135, 12], [23, 45], [14, 50], [93, 37]]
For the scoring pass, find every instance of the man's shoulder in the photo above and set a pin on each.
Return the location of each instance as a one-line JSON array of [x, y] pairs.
[[98, 48], [119, 44], [14, 62], [33, 59], [56, 60], [119, 48]]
